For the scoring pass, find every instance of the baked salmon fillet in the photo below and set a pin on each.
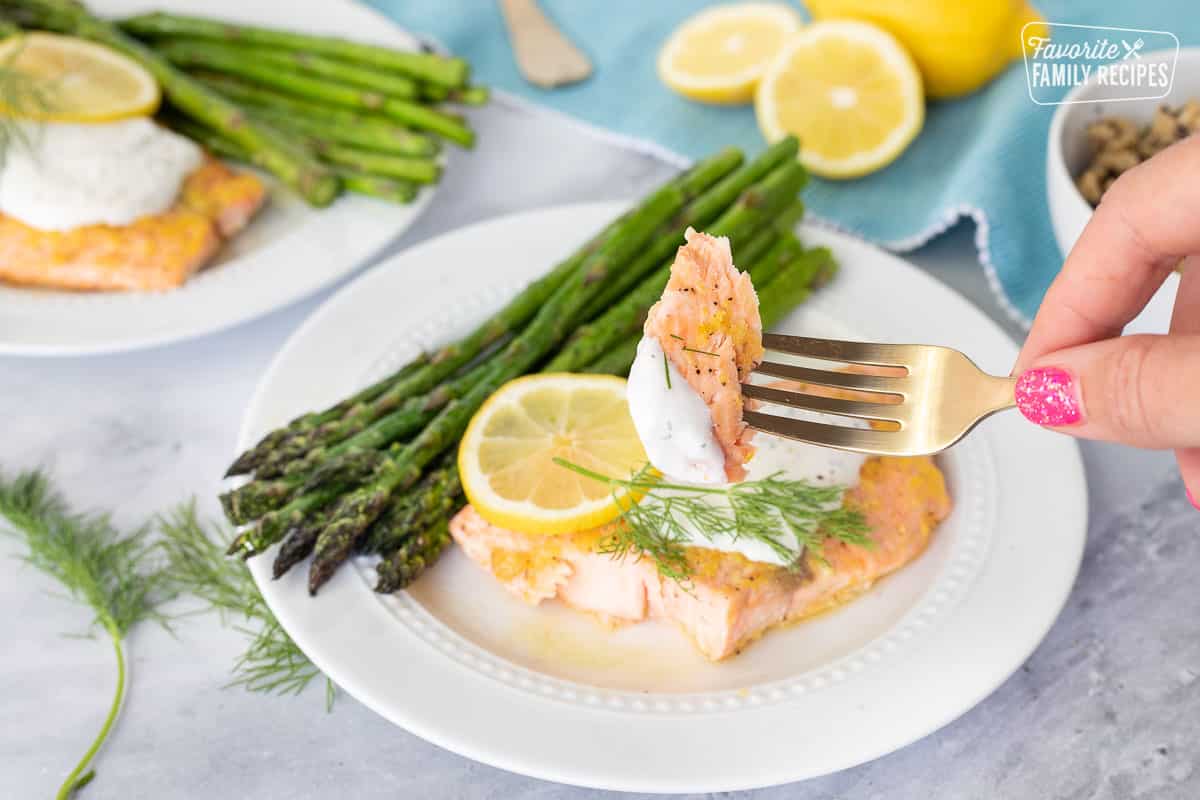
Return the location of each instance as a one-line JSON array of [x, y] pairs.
[[730, 601], [156, 252]]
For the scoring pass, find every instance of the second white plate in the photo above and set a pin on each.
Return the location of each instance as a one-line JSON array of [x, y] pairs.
[[288, 252], [548, 693]]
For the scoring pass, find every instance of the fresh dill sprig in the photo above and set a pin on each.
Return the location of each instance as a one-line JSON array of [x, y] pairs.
[[197, 565], [667, 370], [658, 517], [21, 95], [692, 349], [119, 577]]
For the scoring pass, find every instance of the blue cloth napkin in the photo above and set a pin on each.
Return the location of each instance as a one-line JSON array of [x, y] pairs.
[[982, 156]]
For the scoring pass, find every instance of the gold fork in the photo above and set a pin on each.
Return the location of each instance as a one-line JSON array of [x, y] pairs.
[[922, 399]]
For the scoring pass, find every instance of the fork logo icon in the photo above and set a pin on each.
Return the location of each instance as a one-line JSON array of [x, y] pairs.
[[1132, 50]]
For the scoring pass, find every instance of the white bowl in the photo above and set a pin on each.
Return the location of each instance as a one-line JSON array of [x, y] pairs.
[[1067, 154]]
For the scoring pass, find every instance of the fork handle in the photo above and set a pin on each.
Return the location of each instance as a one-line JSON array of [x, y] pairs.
[[994, 394]]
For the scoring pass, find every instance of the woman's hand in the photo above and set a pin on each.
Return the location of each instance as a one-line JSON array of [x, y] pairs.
[[1078, 375]]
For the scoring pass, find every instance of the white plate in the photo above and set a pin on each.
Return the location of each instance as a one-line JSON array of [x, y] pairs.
[[547, 693], [287, 253]]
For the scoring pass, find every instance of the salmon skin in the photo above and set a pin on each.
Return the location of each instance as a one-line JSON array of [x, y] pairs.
[[708, 325], [730, 601], [156, 252]]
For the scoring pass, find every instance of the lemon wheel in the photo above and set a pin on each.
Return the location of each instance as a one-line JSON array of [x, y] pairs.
[[74, 80], [719, 55], [849, 91], [506, 458]]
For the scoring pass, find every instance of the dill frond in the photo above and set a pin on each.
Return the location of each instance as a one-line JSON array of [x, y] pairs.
[[197, 565], [119, 577], [657, 517], [21, 95]]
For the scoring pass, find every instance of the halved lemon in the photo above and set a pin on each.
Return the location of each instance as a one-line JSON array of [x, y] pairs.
[[74, 80], [849, 91], [506, 458], [719, 55]]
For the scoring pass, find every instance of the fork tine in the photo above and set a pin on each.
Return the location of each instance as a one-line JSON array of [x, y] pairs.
[[856, 409], [896, 386], [859, 440], [875, 355]]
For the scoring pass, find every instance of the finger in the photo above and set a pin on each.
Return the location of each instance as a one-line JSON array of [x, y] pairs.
[[1145, 224], [1186, 320], [1139, 390]]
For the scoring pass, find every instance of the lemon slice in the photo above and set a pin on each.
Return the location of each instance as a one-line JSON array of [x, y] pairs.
[[719, 55], [849, 91], [74, 80], [506, 457]]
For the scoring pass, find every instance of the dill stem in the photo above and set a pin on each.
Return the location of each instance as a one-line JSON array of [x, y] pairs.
[[597, 476], [78, 778]]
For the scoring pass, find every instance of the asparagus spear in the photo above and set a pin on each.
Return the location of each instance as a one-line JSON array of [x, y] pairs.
[[255, 498], [436, 495], [412, 415], [396, 191], [322, 134], [618, 360], [404, 566], [467, 95], [782, 253], [312, 419], [274, 524], [298, 544], [274, 150], [417, 170], [438, 70], [698, 213], [393, 191], [342, 72], [371, 131], [438, 487], [793, 284], [449, 359], [756, 206], [203, 55]]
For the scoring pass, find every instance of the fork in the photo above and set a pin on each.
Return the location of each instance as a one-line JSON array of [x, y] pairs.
[[921, 399]]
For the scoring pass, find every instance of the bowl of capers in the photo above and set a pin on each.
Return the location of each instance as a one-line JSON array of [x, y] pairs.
[[1096, 136]]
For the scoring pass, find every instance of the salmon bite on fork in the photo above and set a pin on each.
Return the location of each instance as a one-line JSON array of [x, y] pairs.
[[920, 399]]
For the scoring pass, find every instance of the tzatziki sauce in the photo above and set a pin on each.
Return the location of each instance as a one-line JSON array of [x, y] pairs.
[[63, 176], [671, 419], [675, 427]]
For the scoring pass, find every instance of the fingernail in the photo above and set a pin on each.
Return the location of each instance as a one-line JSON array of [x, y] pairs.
[[1047, 396], [1192, 500]]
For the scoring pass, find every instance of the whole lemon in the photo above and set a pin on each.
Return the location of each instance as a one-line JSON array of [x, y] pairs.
[[958, 45]]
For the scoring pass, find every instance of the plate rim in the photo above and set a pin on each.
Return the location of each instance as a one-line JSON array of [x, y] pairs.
[[1074, 493]]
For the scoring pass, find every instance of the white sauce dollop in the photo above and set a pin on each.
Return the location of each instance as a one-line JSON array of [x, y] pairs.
[[676, 429], [106, 174], [672, 420]]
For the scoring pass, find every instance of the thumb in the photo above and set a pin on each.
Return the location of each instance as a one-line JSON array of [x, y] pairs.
[[1142, 391]]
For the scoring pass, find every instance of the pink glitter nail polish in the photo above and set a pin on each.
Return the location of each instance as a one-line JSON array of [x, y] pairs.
[[1047, 396]]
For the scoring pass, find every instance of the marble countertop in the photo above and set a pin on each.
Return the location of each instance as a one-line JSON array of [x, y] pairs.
[[1107, 707]]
